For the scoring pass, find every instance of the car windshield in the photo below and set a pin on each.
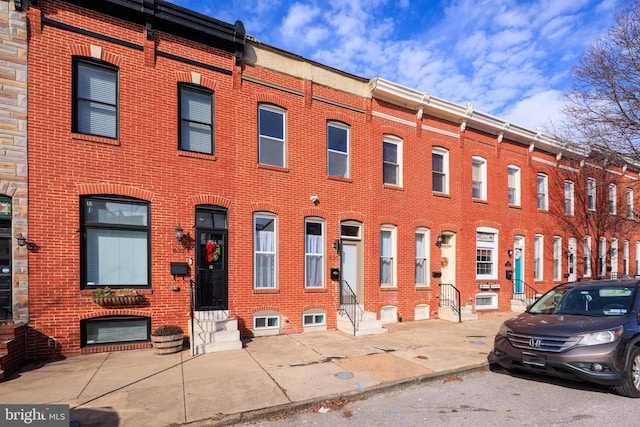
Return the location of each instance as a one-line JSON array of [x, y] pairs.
[[606, 300]]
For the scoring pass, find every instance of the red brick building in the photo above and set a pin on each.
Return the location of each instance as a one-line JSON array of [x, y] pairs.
[[261, 193]]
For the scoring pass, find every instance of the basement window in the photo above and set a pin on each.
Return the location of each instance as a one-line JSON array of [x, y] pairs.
[[115, 330]]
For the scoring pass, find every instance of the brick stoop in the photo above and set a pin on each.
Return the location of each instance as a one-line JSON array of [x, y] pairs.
[[13, 340]]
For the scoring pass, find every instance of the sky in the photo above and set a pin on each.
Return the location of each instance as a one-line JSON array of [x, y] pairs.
[[508, 58]]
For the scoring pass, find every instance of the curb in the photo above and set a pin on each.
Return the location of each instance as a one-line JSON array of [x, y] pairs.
[[288, 409]]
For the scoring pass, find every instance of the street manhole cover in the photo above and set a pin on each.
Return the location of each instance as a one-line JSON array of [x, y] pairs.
[[344, 375]]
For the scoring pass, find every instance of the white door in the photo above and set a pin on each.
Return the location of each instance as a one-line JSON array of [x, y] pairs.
[[349, 261]]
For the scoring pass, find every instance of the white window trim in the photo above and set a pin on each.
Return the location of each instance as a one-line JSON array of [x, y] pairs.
[[255, 252], [630, 213], [557, 258], [391, 139], [493, 247], [494, 301], [445, 167], [394, 255], [615, 256], [545, 189], [482, 164], [306, 254], [283, 112], [345, 127], [314, 313], [613, 198], [538, 248], [426, 248], [516, 188], [587, 256], [637, 258], [591, 194], [602, 256], [569, 199], [625, 259]]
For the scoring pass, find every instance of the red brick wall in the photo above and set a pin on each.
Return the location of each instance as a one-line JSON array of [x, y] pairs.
[[144, 162]]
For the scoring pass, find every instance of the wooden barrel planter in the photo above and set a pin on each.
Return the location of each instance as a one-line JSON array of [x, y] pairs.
[[167, 339]]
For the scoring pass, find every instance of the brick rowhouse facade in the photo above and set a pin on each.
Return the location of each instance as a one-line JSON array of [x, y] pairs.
[[271, 208]]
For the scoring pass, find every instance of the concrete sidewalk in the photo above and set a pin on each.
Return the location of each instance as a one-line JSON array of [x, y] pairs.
[[270, 375]]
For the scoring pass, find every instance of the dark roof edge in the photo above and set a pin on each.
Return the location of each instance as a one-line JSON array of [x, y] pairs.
[[173, 19]]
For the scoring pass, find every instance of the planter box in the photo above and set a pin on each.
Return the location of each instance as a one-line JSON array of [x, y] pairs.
[[167, 344], [118, 300]]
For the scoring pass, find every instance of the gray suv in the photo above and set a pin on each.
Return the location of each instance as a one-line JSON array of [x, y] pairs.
[[585, 330]]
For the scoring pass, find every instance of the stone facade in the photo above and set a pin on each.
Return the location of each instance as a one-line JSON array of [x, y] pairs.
[[13, 142]]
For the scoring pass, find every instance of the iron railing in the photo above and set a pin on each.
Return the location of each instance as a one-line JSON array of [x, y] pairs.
[[450, 297], [349, 304], [529, 294]]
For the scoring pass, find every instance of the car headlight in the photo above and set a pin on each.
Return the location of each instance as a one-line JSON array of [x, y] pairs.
[[600, 337], [504, 330]]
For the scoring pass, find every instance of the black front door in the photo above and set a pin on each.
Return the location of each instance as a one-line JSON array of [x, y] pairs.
[[211, 279]]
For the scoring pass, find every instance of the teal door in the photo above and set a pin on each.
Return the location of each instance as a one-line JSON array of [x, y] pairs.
[[517, 273]]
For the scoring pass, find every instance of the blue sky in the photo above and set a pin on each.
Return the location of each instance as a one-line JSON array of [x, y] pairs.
[[509, 58]]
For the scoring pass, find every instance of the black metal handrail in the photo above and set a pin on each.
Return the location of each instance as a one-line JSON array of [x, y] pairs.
[[450, 297], [192, 344], [349, 304], [528, 295]]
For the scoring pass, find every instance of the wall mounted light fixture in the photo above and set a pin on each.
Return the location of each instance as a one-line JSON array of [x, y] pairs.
[[178, 233], [23, 241], [337, 245], [510, 252], [439, 240]]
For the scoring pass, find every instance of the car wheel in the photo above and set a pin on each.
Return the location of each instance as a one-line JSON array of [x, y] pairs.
[[631, 386]]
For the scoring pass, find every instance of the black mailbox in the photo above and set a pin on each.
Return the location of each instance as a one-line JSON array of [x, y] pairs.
[[335, 274], [436, 274], [179, 269]]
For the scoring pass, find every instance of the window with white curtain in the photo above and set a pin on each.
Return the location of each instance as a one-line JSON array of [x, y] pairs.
[[265, 244], [196, 119], [314, 253], [115, 245], [422, 257], [387, 258], [95, 98]]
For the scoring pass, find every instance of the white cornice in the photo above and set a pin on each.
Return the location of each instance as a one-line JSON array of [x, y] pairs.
[[396, 94]]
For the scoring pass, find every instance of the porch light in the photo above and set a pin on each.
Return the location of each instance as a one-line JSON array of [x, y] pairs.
[[337, 245], [22, 241], [439, 240], [178, 233]]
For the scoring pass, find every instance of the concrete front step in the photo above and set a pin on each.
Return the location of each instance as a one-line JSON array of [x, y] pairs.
[[368, 324], [446, 313], [214, 331]]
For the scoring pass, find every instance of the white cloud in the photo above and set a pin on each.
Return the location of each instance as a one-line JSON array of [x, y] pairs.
[[535, 111]]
